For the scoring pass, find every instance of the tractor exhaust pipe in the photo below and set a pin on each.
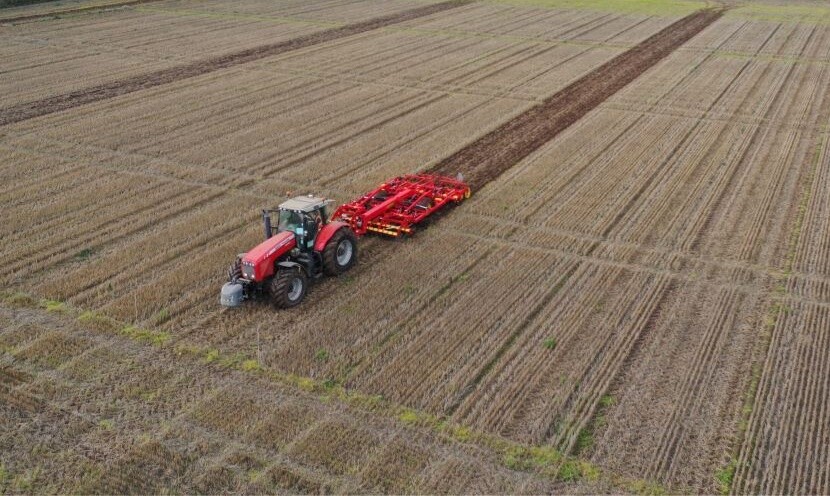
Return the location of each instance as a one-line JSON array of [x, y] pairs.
[[266, 221]]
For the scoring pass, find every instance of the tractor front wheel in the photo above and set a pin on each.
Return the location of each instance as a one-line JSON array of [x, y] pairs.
[[235, 270], [340, 253], [288, 287]]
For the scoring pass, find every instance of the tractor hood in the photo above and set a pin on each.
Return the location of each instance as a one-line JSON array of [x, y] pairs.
[[258, 263]]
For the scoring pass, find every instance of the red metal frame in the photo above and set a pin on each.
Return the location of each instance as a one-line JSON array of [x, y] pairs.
[[396, 206]]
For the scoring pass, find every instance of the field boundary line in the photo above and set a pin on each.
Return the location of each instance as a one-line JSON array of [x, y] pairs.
[[38, 108]]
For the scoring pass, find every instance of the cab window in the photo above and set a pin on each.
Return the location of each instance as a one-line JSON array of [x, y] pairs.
[[290, 220]]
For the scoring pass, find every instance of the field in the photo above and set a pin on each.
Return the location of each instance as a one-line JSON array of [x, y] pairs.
[[635, 299]]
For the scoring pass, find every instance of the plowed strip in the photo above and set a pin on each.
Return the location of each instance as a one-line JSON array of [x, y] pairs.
[[58, 103], [488, 157]]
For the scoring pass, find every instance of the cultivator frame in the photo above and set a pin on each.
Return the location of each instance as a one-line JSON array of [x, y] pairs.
[[397, 205]]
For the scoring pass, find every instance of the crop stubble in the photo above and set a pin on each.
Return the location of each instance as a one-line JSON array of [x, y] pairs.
[[25, 111], [658, 297]]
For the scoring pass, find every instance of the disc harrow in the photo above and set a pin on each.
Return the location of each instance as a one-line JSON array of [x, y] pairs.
[[395, 207]]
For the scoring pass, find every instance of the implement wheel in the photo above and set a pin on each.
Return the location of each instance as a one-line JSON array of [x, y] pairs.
[[288, 287], [340, 253]]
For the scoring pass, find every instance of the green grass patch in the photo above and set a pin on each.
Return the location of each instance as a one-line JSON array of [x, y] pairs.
[[84, 254], [250, 365], [461, 432], [664, 8], [550, 343], [156, 338], [306, 383], [53, 306], [99, 321], [211, 356], [584, 440], [321, 355], [409, 416], [725, 476], [545, 459], [569, 471]]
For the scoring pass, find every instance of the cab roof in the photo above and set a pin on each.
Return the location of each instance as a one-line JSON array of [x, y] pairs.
[[304, 203]]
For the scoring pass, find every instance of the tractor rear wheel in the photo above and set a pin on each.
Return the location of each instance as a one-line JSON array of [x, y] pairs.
[[288, 287], [340, 253]]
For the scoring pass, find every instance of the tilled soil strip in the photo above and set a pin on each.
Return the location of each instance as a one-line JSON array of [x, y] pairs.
[[489, 156], [58, 103], [56, 13]]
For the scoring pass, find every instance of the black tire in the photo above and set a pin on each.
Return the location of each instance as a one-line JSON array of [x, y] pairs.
[[284, 290], [335, 260], [235, 270]]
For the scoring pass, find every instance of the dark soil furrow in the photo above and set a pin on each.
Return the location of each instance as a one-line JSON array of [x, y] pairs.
[[58, 103], [489, 156]]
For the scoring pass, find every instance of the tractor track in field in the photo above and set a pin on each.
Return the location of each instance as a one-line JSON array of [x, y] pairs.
[[106, 91], [488, 157]]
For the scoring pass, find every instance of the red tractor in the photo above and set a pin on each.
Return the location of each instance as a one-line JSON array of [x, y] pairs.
[[307, 244]]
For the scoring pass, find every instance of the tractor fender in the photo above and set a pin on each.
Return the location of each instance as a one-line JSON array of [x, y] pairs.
[[326, 233], [290, 265]]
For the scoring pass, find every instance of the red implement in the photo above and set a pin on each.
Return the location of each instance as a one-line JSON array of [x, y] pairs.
[[396, 206]]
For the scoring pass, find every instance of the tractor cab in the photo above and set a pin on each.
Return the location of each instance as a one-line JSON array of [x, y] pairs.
[[304, 216]]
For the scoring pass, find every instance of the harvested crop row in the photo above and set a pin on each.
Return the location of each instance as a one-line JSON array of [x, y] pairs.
[[106, 91], [73, 55], [785, 445], [156, 207], [125, 266], [759, 238]]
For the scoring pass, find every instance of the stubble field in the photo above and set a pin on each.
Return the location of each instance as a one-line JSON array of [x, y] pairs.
[[634, 299]]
